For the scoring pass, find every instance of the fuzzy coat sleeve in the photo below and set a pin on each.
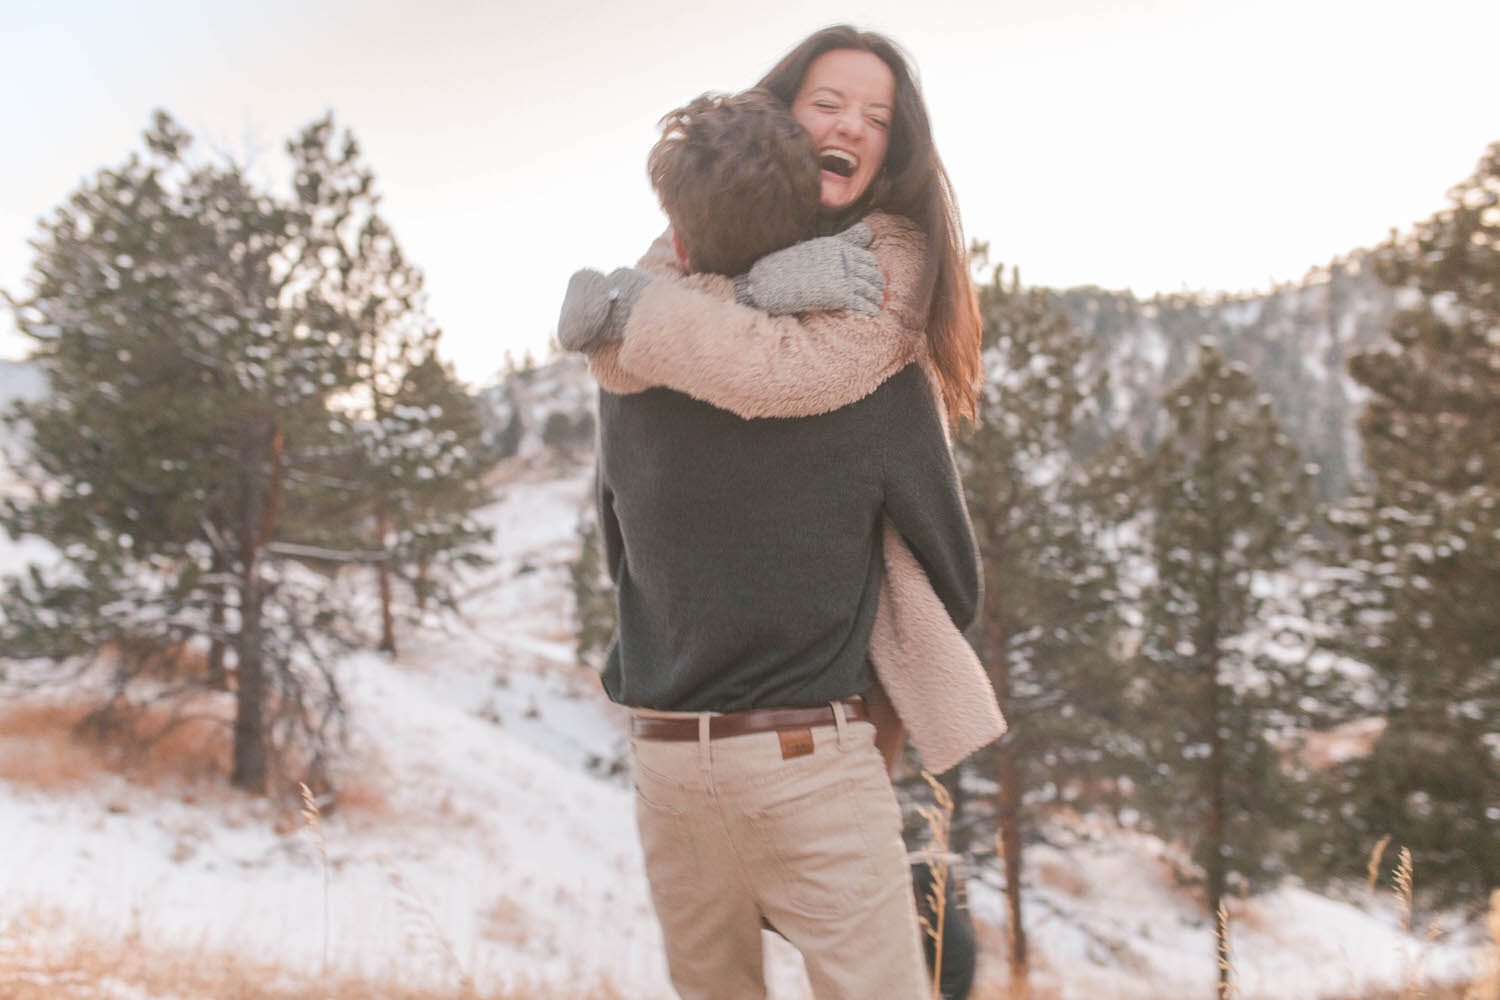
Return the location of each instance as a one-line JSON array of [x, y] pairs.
[[660, 262], [935, 682], [688, 333]]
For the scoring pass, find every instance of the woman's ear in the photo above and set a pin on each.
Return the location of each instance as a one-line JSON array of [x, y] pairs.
[[682, 257]]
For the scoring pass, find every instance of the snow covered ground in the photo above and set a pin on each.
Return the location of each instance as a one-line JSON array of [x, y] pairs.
[[1107, 917], [487, 835], [487, 838]]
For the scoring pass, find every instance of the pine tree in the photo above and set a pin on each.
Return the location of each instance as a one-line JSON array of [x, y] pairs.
[[1228, 496], [418, 467], [595, 613], [1043, 520], [443, 479], [174, 309], [1422, 571]]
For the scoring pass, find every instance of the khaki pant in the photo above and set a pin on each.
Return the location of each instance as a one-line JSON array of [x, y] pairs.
[[732, 832]]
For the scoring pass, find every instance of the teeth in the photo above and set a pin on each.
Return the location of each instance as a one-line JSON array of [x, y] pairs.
[[840, 154]]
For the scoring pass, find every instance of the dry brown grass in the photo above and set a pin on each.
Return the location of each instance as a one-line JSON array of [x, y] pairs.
[[46, 746], [154, 659], [1228, 983], [43, 746], [1430, 991], [1328, 748], [98, 970], [938, 816], [505, 922], [1008, 991], [362, 793], [1248, 915], [1415, 986], [1056, 875], [184, 750]]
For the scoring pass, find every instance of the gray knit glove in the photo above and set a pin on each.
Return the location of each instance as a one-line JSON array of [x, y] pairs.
[[596, 307], [819, 275]]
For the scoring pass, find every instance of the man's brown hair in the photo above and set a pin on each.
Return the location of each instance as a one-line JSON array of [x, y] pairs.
[[738, 178]]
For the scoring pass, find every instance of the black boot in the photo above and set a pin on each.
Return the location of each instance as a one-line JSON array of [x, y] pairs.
[[959, 953]]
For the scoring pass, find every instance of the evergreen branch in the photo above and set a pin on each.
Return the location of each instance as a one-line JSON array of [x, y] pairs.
[[321, 554]]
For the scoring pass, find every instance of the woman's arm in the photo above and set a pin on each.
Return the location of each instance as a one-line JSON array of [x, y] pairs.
[[689, 334]]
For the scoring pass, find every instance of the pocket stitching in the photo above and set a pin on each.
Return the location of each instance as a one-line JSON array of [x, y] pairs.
[[678, 827], [653, 804], [800, 892]]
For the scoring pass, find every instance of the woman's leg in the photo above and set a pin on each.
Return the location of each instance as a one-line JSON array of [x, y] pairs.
[[959, 955]]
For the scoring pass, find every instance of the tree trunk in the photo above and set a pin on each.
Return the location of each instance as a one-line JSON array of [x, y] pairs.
[[261, 505], [249, 770], [1010, 841], [1344, 469], [1216, 873], [383, 570], [422, 585], [218, 677], [959, 838], [1210, 629], [1009, 800]]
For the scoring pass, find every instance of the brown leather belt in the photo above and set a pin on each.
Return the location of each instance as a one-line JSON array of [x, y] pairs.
[[756, 720]]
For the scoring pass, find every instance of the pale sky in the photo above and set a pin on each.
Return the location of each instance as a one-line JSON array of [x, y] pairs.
[[1155, 145]]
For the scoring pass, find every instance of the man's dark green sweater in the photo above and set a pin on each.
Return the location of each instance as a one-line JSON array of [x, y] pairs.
[[747, 552]]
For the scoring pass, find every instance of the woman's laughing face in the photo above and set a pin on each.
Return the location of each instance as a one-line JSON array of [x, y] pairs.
[[845, 102]]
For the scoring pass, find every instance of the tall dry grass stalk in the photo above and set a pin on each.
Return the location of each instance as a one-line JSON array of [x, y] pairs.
[[312, 821], [938, 817], [1404, 878], [1376, 857], [1227, 988], [424, 926]]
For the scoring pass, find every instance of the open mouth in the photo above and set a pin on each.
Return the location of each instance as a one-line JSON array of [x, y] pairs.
[[836, 161]]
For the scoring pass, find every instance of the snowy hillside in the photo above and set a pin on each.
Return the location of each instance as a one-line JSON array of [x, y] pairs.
[[466, 781], [547, 409], [486, 832], [483, 832], [19, 382]]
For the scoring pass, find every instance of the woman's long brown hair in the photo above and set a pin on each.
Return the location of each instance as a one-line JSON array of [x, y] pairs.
[[911, 183]]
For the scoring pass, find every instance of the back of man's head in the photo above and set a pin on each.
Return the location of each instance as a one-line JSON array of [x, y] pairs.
[[737, 177]]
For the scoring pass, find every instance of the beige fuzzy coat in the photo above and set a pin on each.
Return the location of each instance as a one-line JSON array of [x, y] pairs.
[[687, 333]]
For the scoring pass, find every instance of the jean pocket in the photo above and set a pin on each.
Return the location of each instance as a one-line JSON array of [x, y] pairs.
[[668, 847], [821, 847]]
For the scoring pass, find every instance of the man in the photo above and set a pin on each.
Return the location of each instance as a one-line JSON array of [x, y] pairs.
[[748, 559]]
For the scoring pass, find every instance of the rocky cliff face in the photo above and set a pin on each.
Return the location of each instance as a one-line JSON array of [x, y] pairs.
[[1296, 341]]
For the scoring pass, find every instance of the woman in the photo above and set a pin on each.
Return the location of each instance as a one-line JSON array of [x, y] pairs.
[[854, 94]]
